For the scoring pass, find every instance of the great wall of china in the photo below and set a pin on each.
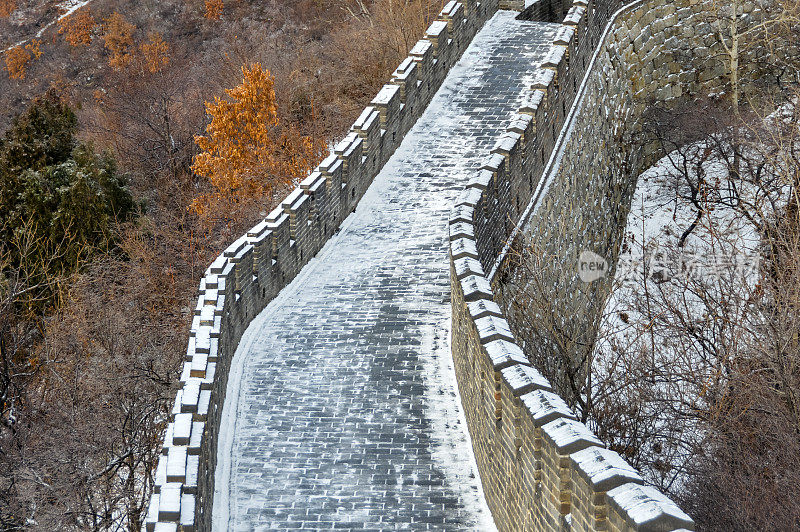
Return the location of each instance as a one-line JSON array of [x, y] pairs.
[[556, 157]]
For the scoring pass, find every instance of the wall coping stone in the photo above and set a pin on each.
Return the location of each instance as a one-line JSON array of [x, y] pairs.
[[526, 379], [604, 469], [568, 435], [484, 307], [644, 505], [503, 353]]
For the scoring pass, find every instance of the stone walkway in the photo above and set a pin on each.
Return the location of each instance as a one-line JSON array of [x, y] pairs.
[[342, 409]]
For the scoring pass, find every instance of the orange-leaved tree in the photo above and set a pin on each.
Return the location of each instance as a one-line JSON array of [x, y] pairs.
[[155, 53], [35, 48], [17, 59], [118, 38], [7, 7], [248, 154], [214, 9], [78, 27]]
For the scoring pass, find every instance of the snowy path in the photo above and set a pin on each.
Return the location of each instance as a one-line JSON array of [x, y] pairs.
[[69, 7], [342, 409]]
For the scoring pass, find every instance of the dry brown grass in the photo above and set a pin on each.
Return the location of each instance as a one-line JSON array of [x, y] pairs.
[[89, 414]]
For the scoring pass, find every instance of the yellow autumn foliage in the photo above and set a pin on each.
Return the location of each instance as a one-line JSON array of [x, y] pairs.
[[247, 153], [78, 27], [17, 60], [35, 48], [155, 53], [214, 9], [118, 40], [7, 7]]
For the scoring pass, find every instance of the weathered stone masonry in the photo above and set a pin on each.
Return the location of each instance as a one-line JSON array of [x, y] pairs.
[[251, 272], [659, 52], [542, 469]]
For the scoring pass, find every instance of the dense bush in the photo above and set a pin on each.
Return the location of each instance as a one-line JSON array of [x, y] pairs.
[[59, 200]]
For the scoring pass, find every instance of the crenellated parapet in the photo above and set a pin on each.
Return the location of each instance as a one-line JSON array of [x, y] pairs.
[[541, 468], [253, 269]]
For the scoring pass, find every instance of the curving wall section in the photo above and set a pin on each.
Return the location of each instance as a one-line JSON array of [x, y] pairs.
[[254, 268], [664, 53], [540, 467]]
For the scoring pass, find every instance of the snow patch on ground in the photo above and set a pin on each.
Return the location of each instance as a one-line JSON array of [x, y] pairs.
[[648, 347], [723, 244], [67, 8], [453, 449]]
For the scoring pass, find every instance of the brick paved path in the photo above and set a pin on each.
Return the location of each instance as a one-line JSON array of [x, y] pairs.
[[342, 409]]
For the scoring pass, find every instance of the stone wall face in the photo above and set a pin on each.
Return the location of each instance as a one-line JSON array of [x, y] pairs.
[[662, 52], [541, 468], [253, 269]]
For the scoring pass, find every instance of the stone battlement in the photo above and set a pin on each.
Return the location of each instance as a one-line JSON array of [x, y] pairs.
[[541, 468], [253, 269]]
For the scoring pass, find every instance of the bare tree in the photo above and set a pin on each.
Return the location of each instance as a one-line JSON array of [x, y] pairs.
[[691, 367], [748, 31]]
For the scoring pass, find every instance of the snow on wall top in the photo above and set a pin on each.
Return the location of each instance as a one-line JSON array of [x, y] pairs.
[[595, 468]]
